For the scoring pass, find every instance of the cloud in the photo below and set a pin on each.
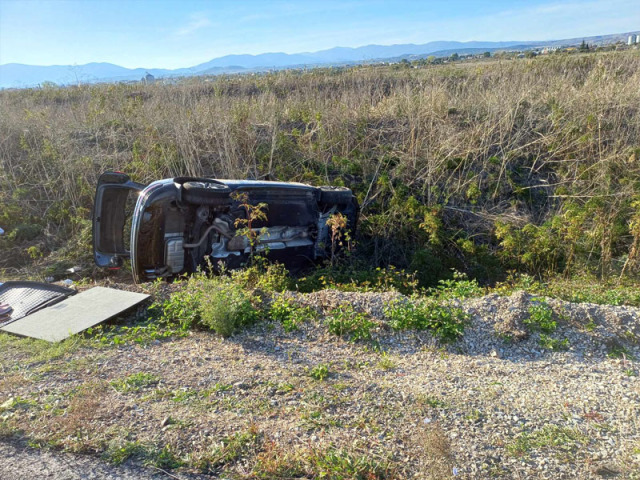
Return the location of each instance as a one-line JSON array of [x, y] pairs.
[[198, 21]]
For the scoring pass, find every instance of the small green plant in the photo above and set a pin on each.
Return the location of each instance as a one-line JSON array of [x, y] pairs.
[[182, 307], [135, 382], [225, 307], [291, 316], [231, 449], [457, 287], [564, 440], [163, 457], [446, 322], [431, 401], [386, 362], [554, 344], [253, 213], [541, 317], [620, 351], [345, 321], [118, 453], [320, 372]]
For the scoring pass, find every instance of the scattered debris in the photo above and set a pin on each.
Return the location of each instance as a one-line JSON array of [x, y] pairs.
[[25, 298], [74, 314]]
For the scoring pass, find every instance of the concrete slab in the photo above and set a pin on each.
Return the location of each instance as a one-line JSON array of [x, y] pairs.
[[75, 314]]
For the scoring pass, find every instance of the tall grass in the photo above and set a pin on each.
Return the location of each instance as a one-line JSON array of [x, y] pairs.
[[527, 164]]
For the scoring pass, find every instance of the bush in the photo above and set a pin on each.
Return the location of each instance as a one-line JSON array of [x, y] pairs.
[[446, 322], [225, 306], [541, 317], [345, 321], [263, 275], [284, 310]]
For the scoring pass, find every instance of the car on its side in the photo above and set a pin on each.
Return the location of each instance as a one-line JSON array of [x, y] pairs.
[[177, 225]]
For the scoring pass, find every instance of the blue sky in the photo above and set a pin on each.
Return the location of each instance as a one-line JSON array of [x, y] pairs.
[[173, 34]]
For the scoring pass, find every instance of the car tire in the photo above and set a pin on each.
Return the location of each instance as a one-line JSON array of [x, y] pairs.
[[335, 195], [206, 192]]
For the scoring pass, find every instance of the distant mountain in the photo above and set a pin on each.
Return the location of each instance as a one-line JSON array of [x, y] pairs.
[[19, 75]]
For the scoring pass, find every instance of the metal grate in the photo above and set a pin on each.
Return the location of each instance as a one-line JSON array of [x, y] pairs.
[[28, 297]]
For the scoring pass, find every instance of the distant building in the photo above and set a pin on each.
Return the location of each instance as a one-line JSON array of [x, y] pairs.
[[637, 38], [148, 78], [631, 40]]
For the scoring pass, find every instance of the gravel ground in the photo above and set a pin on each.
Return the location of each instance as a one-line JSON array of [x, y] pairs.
[[496, 404], [23, 463]]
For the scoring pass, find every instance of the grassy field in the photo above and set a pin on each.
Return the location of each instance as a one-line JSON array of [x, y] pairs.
[[529, 165]]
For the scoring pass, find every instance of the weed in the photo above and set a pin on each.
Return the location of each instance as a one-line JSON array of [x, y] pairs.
[[285, 388], [263, 275], [385, 362], [541, 317], [290, 315], [134, 382], [226, 307], [339, 234], [444, 321], [458, 287], [118, 453], [620, 351], [345, 321], [182, 307], [253, 214], [230, 450], [320, 372], [554, 344], [431, 401], [14, 403], [357, 276], [321, 462], [551, 437], [164, 457]]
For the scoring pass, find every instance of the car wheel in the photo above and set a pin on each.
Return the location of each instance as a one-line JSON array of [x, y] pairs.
[[206, 192], [335, 195]]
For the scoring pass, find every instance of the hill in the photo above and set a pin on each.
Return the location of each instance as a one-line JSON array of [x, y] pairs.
[[19, 75]]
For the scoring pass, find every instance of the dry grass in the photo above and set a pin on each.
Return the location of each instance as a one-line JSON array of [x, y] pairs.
[[480, 146]]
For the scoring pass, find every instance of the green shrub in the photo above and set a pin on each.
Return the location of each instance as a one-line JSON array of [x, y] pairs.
[[182, 307], [445, 321], [225, 306], [345, 321], [263, 275], [554, 344], [457, 287], [320, 372], [541, 317], [289, 314]]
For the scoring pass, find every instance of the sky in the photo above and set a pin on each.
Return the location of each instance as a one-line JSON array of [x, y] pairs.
[[183, 33]]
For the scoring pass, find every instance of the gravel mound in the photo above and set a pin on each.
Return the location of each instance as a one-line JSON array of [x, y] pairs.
[[503, 401]]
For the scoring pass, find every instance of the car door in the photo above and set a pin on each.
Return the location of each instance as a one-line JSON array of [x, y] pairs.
[[116, 195]]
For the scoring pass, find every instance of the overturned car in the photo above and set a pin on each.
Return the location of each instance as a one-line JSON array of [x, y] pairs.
[[173, 226]]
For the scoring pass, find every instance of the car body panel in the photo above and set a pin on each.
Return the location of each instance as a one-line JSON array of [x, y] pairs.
[[109, 218]]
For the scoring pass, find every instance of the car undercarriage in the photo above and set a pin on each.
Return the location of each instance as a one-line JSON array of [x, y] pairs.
[[178, 225]]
